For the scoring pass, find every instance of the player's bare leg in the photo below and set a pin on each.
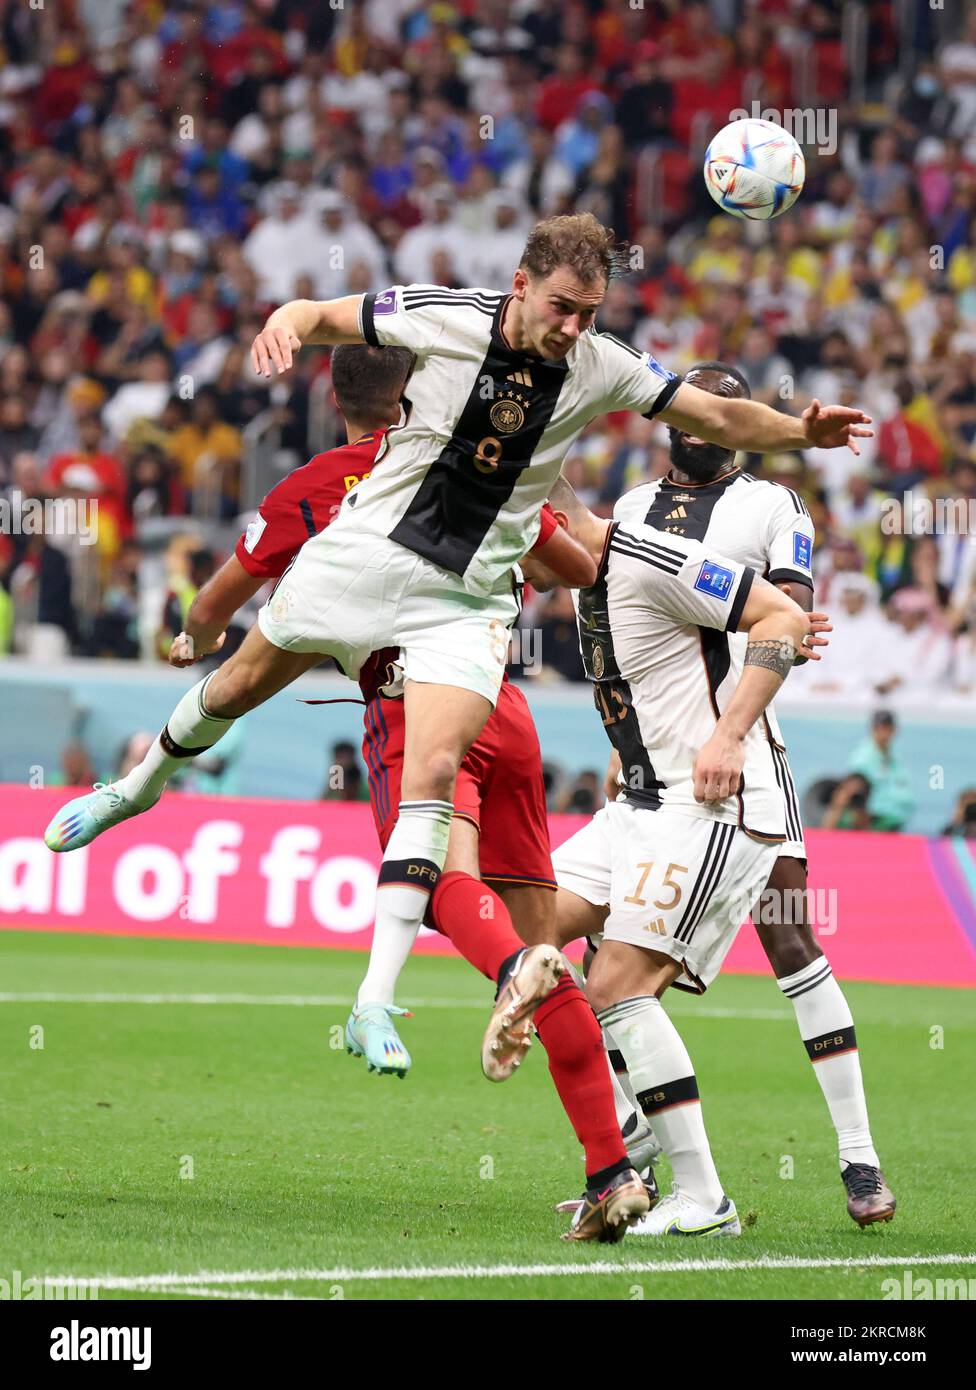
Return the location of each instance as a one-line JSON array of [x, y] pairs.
[[442, 722], [255, 672], [827, 1029], [625, 986]]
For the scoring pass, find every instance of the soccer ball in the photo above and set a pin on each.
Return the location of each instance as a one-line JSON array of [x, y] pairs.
[[754, 169]]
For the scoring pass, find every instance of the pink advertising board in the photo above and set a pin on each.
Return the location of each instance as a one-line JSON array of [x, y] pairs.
[[889, 908]]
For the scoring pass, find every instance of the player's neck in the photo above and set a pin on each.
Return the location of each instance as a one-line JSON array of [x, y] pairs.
[[358, 429], [677, 475]]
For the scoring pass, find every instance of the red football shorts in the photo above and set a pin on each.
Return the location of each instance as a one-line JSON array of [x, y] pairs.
[[499, 786]]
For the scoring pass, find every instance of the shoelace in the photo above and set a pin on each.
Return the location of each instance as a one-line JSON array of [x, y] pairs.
[[861, 1181], [114, 796]]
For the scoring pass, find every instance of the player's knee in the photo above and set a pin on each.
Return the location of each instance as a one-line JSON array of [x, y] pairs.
[[434, 778], [234, 690], [791, 948]]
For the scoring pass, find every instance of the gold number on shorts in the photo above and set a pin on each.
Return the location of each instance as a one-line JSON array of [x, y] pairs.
[[636, 896], [499, 638], [487, 454], [670, 883]]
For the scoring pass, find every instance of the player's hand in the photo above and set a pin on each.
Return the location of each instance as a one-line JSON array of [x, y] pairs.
[[184, 651], [274, 347], [718, 767], [833, 426], [819, 622]]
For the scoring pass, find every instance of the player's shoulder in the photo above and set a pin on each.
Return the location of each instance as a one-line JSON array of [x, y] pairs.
[[635, 540], [415, 298], [767, 495], [334, 469], [635, 504]]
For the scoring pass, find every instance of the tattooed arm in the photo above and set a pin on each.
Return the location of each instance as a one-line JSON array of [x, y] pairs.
[[778, 629]]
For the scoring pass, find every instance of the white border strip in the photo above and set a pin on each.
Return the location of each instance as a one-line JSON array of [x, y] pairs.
[[210, 1279]]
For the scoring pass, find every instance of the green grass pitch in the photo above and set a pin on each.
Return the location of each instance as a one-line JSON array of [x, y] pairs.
[[232, 1142]]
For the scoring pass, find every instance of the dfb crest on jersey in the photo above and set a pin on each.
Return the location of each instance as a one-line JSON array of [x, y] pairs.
[[507, 416]]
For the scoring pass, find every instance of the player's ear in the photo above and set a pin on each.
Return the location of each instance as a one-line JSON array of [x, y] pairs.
[[561, 519], [520, 283]]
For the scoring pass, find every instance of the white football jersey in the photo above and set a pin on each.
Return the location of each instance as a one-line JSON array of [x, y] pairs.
[[761, 524], [655, 633], [462, 479]]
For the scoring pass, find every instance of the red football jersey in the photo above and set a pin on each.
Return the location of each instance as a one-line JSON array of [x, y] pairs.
[[302, 504]]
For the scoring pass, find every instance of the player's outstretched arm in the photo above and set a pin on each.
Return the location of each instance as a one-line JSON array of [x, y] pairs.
[[301, 321], [743, 424], [211, 611], [778, 630]]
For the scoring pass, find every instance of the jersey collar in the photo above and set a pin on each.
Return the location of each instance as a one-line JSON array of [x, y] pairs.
[[723, 481]]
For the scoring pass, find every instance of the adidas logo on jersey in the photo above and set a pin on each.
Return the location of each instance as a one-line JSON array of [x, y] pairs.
[[679, 514], [522, 378]]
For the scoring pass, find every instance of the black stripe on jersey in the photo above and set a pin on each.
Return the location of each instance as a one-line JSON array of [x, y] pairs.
[[709, 876], [649, 555], [671, 552], [620, 343], [741, 597], [667, 391], [699, 508], [717, 659], [466, 486], [421, 301], [798, 502], [611, 693], [305, 507], [784, 779], [789, 577]]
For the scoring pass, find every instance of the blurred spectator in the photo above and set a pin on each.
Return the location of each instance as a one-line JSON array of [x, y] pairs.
[[848, 805], [859, 644], [964, 817], [890, 797], [77, 768], [560, 637], [189, 566], [581, 797], [132, 753], [918, 650], [345, 780]]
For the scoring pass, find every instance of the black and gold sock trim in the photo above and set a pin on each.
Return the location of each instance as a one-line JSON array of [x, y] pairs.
[[832, 1044], [411, 873], [172, 749], [681, 1092]]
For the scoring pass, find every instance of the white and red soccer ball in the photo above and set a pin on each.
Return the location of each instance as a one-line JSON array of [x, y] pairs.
[[754, 169]]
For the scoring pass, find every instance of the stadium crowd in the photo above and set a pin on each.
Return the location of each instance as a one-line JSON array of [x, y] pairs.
[[172, 171]]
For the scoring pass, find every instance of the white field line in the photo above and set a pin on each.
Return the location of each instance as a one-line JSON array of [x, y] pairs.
[[211, 1279], [249, 1295], [317, 1001]]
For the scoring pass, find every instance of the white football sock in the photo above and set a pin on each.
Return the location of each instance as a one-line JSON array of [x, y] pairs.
[[827, 1030], [666, 1088], [415, 854], [189, 731], [624, 1100]]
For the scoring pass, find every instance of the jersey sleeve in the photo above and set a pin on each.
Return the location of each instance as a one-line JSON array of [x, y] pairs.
[[277, 531], [788, 542], [634, 380], [408, 316], [687, 581]]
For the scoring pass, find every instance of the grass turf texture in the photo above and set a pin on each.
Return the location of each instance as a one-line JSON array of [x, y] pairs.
[[303, 1163]]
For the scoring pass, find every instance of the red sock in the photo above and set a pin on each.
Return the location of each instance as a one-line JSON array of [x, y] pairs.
[[573, 1040], [476, 920]]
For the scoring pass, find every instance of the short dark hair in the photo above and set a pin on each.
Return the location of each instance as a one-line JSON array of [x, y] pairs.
[[366, 378], [576, 240], [726, 369]]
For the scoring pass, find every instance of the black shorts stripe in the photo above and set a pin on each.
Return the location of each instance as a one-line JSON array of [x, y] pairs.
[[723, 850], [831, 1044], [657, 1098], [716, 853], [807, 985]]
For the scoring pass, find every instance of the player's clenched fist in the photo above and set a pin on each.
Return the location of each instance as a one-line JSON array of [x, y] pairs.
[[274, 347], [184, 651]]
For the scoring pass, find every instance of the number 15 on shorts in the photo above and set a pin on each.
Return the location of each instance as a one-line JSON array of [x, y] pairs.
[[668, 890]]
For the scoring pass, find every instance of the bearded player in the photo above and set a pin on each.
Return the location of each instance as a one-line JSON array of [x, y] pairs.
[[706, 497]]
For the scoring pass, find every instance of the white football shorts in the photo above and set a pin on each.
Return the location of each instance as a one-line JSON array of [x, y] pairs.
[[349, 594], [674, 883]]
